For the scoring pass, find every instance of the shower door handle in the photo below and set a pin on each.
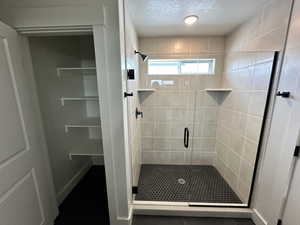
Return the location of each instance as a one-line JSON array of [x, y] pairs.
[[186, 137]]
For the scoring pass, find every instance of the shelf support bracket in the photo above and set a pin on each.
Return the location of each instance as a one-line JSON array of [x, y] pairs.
[[62, 101], [66, 129]]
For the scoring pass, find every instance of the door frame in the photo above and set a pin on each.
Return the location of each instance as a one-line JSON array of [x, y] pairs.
[[48, 32], [117, 205]]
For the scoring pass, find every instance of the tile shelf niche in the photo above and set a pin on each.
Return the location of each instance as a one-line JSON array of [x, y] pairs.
[[218, 90], [148, 90]]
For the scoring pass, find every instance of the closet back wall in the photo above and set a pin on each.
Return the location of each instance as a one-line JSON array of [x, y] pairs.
[[48, 53]]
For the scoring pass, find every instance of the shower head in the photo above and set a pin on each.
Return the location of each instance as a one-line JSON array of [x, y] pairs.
[[143, 56]]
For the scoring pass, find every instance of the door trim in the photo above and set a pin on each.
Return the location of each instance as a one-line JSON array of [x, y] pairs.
[[56, 30]]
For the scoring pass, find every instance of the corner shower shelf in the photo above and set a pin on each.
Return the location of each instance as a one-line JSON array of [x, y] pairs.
[[59, 70], [140, 90], [91, 149], [218, 89], [87, 123], [87, 98]]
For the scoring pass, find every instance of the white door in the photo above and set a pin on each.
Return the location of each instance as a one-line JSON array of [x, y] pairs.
[[26, 189]]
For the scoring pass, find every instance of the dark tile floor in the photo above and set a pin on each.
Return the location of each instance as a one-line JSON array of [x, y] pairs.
[[165, 220], [87, 203], [201, 184]]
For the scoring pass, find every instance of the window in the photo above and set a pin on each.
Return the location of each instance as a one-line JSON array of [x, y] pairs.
[[181, 66]]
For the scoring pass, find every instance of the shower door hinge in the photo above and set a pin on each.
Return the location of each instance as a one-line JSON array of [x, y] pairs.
[[297, 151], [134, 190], [279, 222], [283, 94]]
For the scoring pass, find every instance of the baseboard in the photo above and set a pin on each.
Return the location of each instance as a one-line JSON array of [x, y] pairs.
[[258, 218], [126, 220], [66, 190]]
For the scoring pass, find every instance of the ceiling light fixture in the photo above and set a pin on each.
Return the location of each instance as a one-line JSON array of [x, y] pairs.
[[189, 20]]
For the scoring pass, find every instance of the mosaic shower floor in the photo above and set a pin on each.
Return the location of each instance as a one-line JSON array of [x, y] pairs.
[[184, 183]]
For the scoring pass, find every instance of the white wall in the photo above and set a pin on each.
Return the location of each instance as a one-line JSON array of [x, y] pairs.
[[55, 13], [111, 71], [132, 62]]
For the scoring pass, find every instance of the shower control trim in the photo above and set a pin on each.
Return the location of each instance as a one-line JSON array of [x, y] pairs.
[[138, 113], [186, 137]]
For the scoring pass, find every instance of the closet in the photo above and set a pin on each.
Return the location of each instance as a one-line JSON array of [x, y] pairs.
[[66, 84]]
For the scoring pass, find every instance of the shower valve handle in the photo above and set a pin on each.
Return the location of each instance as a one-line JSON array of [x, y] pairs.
[[138, 113]]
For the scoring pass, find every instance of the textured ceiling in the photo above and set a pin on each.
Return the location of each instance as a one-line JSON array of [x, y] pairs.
[[165, 17], [43, 3]]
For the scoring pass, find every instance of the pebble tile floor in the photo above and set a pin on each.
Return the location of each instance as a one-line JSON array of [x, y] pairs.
[[200, 184]]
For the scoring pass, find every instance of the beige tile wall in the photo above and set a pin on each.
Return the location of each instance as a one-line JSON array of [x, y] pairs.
[[170, 109], [263, 32], [248, 74], [240, 117]]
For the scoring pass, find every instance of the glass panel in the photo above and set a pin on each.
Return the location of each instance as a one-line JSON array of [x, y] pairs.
[[167, 123], [227, 128]]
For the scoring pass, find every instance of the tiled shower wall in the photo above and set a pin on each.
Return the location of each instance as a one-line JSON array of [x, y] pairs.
[[240, 117], [171, 108], [248, 74]]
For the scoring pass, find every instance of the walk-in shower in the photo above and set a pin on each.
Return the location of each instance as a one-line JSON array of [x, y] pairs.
[[200, 135], [204, 96]]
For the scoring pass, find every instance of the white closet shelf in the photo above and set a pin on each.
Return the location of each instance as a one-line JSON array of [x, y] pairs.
[[87, 123], [85, 98], [88, 149], [218, 89], [59, 70], [140, 90]]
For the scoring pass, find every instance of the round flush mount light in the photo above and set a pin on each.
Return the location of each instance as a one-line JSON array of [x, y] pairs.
[[189, 20]]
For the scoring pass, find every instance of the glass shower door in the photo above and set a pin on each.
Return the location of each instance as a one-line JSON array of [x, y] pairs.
[[227, 130], [207, 185], [167, 128]]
